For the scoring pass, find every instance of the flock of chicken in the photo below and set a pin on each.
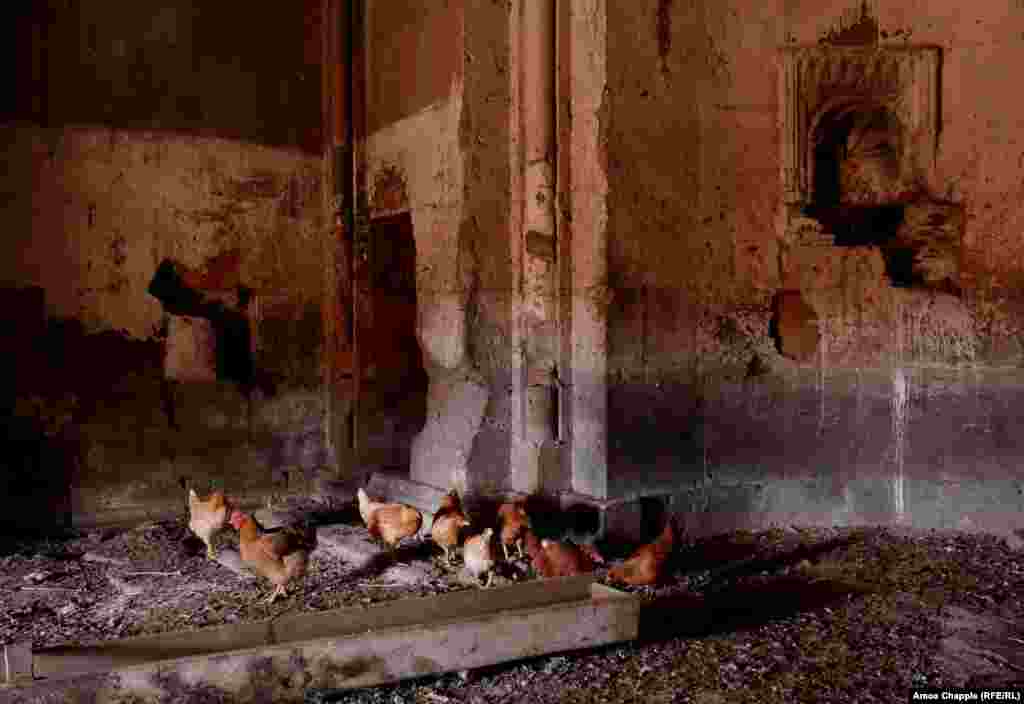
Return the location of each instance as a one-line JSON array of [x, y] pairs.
[[281, 555]]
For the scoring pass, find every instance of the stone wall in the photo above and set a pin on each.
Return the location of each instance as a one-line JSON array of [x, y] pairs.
[[439, 150], [893, 393], [130, 151], [230, 69]]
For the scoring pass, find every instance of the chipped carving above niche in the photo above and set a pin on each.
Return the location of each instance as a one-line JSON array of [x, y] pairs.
[[819, 80]]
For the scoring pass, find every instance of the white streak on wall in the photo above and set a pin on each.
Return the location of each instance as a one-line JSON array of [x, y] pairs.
[[824, 337], [900, 405]]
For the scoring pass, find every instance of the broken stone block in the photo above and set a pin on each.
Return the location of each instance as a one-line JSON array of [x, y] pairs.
[[348, 543], [808, 232], [232, 560], [930, 236], [797, 326]]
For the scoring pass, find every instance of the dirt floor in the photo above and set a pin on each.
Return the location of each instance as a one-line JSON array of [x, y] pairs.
[[156, 577], [786, 615]]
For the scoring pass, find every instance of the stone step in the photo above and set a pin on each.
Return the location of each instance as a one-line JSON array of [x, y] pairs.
[[272, 518], [230, 559], [335, 492], [350, 543], [411, 573], [386, 486]]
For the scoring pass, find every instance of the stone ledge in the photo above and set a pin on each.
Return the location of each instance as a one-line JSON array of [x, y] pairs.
[[389, 486], [621, 519], [131, 515], [349, 543]]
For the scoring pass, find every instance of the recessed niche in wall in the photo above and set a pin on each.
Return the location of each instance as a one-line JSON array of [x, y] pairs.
[[822, 84], [860, 128]]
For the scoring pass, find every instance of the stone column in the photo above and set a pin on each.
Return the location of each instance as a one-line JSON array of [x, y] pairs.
[[589, 251], [535, 241]]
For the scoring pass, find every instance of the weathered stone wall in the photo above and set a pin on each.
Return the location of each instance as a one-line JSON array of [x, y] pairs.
[[440, 151], [145, 135], [415, 54], [228, 69], [414, 165], [583, 102], [486, 236], [897, 409], [104, 210]]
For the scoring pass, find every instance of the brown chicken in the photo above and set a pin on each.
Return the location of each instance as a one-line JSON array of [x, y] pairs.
[[514, 523], [565, 559], [281, 556], [553, 558], [480, 555], [389, 523], [539, 559], [207, 517], [448, 524], [646, 566]]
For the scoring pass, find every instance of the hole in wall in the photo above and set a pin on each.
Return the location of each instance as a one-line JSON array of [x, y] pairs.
[[861, 130], [860, 194], [794, 326], [857, 173], [232, 331]]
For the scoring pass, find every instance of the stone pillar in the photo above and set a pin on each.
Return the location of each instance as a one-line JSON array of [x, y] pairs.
[[589, 251], [337, 191], [456, 398], [535, 241]]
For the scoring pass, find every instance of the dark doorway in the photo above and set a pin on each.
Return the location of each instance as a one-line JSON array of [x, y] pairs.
[[394, 388]]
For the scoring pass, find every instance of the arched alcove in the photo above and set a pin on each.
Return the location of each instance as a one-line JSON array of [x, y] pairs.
[[893, 90], [860, 130], [859, 180], [858, 154]]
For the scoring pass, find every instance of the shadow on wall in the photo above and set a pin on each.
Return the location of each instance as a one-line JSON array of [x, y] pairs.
[[38, 464], [88, 415], [653, 422], [55, 376]]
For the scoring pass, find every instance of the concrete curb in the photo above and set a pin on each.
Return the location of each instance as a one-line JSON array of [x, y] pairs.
[[280, 659]]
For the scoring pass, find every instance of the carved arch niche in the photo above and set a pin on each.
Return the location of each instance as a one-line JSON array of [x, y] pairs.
[[860, 129]]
